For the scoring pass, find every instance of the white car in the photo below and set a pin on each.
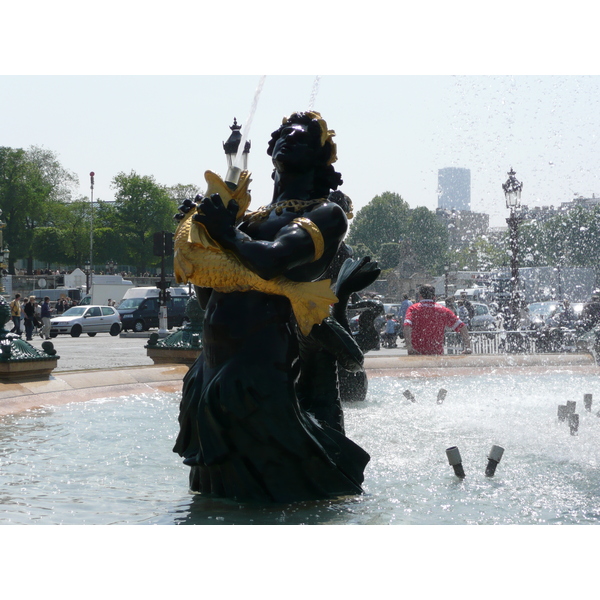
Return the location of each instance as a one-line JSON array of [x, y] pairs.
[[87, 319]]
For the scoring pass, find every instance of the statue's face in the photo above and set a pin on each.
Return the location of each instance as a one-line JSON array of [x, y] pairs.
[[295, 150]]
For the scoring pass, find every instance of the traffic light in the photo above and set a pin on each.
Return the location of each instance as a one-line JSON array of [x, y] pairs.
[[169, 243], [158, 244], [163, 243]]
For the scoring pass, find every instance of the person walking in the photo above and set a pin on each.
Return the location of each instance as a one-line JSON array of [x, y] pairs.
[[15, 314], [29, 317], [45, 333], [425, 324]]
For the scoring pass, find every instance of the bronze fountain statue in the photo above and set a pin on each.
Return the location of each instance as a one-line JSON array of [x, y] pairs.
[[260, 417]]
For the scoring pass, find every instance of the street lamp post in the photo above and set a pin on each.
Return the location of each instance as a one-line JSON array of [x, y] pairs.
[[3, 255], [87, 269], [89, 280], [512, 191], [446, 269]]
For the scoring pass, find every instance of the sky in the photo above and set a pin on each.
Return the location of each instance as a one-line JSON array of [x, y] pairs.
[[407, 90], [393, 132]]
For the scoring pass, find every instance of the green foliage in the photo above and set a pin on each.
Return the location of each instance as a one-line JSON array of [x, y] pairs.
[[389, 255], [393, 231], [569, 240], [360, 250], [142, 207], [429, 239], [32, 184], [180, 192], [382, 220]]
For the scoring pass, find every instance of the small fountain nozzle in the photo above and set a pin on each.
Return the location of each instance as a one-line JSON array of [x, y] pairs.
[[573, 423], [562, 412], [408, 394], [493, 459], [455, 461], [587, 401], [441, 396], [233, 177]]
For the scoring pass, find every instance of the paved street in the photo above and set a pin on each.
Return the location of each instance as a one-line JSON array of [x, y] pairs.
[[102, 351], [105, 352]]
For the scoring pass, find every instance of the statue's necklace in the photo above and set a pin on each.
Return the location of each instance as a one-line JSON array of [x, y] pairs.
[[294, 205]]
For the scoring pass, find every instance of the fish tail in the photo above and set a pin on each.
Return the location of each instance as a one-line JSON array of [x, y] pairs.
[[311, 302]]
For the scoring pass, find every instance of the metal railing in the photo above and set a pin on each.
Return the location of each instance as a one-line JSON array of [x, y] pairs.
[[522, 342]]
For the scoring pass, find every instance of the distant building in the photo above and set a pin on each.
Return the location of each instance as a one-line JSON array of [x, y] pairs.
[[454, 188]]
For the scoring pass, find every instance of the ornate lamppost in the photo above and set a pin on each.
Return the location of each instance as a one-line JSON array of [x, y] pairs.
[[231, 147], [512, 191], [89, 280], [4, 253]]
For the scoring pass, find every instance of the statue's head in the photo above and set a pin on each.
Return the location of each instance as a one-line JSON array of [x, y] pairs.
[[303, 142]]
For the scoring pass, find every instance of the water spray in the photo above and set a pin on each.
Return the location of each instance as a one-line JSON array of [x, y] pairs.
[[493, 459], [234, 172], [441, 396], [313, 93], [455, 461], [408, 394]]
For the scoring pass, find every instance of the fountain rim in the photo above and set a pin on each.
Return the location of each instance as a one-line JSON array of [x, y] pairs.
[[65, 387]]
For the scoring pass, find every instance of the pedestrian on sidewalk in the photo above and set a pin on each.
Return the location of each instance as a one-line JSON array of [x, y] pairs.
[[15, 314], [45, 333]]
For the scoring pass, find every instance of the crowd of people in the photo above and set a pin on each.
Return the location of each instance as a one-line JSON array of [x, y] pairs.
[[392, 327], [31, 316]]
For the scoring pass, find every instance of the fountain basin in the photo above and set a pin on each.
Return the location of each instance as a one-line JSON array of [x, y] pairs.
[[109, 461]]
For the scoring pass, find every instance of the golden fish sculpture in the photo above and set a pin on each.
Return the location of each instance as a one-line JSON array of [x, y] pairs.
[[202, 261]]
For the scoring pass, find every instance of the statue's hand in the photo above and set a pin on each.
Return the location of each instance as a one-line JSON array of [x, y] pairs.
[[358, 275], [186, 206], [218, 219]]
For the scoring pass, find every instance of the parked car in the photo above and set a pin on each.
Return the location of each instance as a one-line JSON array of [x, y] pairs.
[[87, 319], [140, 313], [550, 314], [482, 320]]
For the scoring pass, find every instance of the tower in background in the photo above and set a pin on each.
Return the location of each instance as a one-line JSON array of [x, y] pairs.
[[454, 188]]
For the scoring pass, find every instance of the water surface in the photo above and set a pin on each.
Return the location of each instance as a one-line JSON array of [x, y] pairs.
[[110, 461]]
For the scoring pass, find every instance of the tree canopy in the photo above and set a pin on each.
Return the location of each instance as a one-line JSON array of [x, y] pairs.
[[32, 184], [142, 207], [392, 230]]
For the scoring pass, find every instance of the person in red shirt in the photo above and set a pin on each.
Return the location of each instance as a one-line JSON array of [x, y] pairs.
[[425, 323]]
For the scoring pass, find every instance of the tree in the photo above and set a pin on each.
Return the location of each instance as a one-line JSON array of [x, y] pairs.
[[429, 239], [390, 255], [32, 184], [383, 220], [387, 219], [142, 207], [180, 192]]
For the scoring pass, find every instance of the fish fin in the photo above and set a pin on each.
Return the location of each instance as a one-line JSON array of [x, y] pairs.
[[311, 303]]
